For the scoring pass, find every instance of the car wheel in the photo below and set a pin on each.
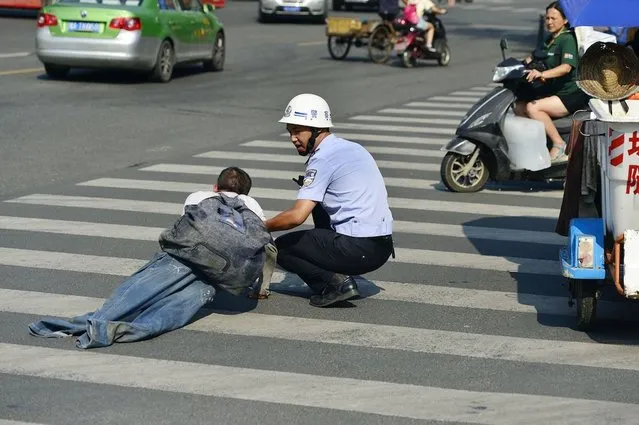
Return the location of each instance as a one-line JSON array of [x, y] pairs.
[[261, 16], [217, 60], [163, 70], [56, 72], [321, 19]]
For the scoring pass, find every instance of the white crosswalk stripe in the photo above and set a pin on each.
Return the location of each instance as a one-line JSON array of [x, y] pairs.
[[389, 150], [364, 396], [120, 231], [381, 127], [426, 121], [334, 332], [402, 165], [370, 137], [461, 99], [280, 194], [461, 106], [474, 286], [407, 111], [423, 184], [58, 261]]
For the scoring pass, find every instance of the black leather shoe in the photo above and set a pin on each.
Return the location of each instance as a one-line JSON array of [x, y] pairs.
[[332, 294]]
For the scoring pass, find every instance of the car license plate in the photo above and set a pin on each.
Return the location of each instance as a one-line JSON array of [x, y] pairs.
[[83, 27], [292, 9]]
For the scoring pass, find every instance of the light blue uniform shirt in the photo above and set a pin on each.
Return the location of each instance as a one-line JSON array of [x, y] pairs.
[[344, 178]]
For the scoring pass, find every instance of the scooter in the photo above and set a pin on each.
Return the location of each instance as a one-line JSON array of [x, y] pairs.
[[411, 45], [491, 142]]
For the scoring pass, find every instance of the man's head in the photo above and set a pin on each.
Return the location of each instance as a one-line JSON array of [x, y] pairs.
[[308, 119], [234, 179]]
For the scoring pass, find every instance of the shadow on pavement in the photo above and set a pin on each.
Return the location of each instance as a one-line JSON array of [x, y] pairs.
[[548, 294], [19, 14], [117, 76]]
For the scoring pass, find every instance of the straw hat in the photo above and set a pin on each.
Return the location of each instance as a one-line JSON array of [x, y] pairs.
[[608, 71]]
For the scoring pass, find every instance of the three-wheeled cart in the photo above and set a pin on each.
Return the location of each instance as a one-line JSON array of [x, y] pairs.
[[343, 32], [605, 249]]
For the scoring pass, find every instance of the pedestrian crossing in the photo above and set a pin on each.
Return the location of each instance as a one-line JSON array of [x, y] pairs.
[[469, 323]]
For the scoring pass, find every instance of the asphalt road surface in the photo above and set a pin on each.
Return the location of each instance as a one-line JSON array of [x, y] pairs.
[[469, 324]]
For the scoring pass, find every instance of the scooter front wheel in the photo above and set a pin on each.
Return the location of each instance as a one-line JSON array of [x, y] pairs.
[[459, 177]]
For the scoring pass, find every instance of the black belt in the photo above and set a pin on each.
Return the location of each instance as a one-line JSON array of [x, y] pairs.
[[385, 238], [381, 238]]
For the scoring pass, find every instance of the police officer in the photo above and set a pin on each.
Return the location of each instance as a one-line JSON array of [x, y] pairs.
[[344, 191]]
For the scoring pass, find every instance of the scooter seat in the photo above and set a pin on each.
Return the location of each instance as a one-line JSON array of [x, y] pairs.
[[563, 124]]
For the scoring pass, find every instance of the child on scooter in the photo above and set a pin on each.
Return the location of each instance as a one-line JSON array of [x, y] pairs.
[[421, 8]]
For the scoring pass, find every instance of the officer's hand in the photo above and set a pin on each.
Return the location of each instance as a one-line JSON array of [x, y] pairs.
[[299, 180]]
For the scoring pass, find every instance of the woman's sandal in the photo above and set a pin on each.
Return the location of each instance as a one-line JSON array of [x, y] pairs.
[[561, 156]]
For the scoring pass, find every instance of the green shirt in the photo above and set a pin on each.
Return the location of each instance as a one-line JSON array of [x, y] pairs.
[[563, 49]]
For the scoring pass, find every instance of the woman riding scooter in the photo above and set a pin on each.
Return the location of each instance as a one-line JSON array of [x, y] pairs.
[[558, 95], [422, 7]]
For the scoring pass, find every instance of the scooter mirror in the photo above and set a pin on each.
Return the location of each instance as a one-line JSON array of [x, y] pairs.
[[503, 44]]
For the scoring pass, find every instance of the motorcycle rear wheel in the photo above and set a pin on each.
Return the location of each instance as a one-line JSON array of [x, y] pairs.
[[442, 47], [454, 180]]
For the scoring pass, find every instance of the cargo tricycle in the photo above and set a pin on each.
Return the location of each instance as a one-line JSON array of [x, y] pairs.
[[343, 32]]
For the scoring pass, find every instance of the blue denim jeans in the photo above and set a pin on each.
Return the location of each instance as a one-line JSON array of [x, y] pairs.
[[162, 296]]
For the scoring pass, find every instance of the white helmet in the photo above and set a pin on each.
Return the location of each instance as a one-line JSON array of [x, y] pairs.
[[309, 110]]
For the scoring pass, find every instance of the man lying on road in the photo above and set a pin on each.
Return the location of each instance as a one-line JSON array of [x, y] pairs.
[[219, 242]]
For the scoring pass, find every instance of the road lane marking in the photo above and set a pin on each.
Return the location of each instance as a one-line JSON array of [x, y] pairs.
[[283, 194], [247, 156], [483, 89], [15, 55], [151, 234], [452, 99], [427, 140], [469, 93], [284, 327], [55, 261], [411, 111], [400, 182], [416, 120], [312, 43], [21, 71], [430, 104], [389, 150], [385, 127], [175, 208], [342, 394]]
